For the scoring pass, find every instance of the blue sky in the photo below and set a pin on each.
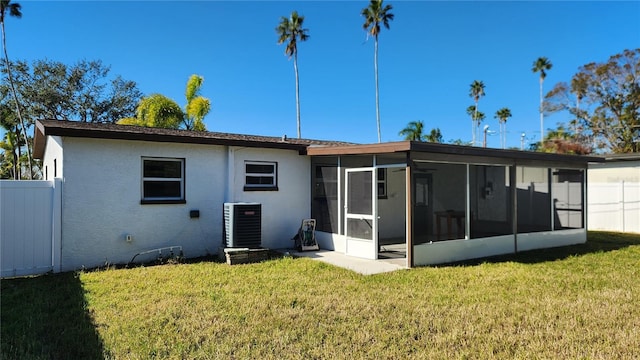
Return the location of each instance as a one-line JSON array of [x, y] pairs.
[[427, 60]]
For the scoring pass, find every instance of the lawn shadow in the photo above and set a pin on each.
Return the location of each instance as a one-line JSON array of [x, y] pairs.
[[46, 317], [597, 242]]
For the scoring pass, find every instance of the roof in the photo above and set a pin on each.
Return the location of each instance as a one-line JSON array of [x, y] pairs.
[[46, 128], [311, 147], [622, 157], [448, 149]]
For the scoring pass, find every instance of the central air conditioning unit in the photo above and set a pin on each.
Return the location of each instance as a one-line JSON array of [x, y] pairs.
[[243, 225]]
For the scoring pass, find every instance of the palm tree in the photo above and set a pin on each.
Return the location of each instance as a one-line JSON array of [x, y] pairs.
[[502, 115], [476, 91], [156, 110], [374, 15], [435, 136], [14, 10], [541, 65], [290, 30], [476, 118], [413, 131], [197, 106]]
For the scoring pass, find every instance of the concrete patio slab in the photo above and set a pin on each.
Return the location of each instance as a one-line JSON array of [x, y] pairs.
[[361, 266]]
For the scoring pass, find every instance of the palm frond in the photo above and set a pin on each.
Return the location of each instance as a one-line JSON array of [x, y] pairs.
[[541, 65], [193, 86], [374, 15], [13, 8], [198, 108], [476, 90], [290, 30]]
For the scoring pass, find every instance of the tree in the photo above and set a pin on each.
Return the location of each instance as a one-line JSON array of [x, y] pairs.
[[541, 65], [604, 99], [562, 141], [156, 110], [14, 9], [374, 15], [413, 131], [290, 30], [476, 91], [82, 91], [9, 165], [197, 106], [53, 90], [435, 136], [476, 118], [503, 115], [458, 142]]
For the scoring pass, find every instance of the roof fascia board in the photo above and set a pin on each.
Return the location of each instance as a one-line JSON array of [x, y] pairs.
[[462, 159], [499, 153], [120, 135], [365, 149], [39, 141]]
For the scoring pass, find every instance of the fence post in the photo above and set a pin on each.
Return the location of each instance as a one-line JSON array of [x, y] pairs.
[[56, 224], [622, 204]]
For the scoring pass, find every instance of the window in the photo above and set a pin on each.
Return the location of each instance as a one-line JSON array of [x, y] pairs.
[[162, 181], [261, 175]]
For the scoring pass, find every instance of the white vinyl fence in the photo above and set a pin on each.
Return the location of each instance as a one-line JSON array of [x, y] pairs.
[[614, 206], [30, 227]]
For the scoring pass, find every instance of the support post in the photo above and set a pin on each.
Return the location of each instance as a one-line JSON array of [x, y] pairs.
[[409, 210], [56, 228], [514, 205]]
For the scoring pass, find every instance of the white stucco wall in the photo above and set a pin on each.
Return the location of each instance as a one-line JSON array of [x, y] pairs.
[[329, 241], [441, 252], [102, 192], [53, 158], [282, 210], [549, 239], [101, 202], [458, 250]]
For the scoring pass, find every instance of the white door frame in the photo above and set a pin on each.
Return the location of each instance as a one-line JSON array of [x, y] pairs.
[[359, 247]]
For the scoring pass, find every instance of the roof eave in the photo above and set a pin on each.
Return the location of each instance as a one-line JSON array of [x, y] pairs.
[[405, 146], [42, 131]]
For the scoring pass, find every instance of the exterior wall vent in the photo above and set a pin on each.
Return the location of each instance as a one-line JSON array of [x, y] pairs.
[[243, 225]]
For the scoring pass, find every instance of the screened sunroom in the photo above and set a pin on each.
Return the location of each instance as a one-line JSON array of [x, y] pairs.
[[423, 203]]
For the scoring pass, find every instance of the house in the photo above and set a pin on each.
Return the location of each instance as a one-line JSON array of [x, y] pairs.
[[129, 189], [614, 193]]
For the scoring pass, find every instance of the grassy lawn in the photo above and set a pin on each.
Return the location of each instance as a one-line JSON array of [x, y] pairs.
[[574, 302]]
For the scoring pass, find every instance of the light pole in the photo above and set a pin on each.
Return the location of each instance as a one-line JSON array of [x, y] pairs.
[[484, 142], [522, 141]]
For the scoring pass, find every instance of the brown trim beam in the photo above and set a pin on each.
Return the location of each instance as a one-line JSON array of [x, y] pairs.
[[359, 149]]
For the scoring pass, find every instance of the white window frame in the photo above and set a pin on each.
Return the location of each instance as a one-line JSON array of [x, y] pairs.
[[165, 199], [265, 187]]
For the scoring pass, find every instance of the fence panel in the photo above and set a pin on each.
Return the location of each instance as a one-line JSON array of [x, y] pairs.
[[614, 206], [28, 233]]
